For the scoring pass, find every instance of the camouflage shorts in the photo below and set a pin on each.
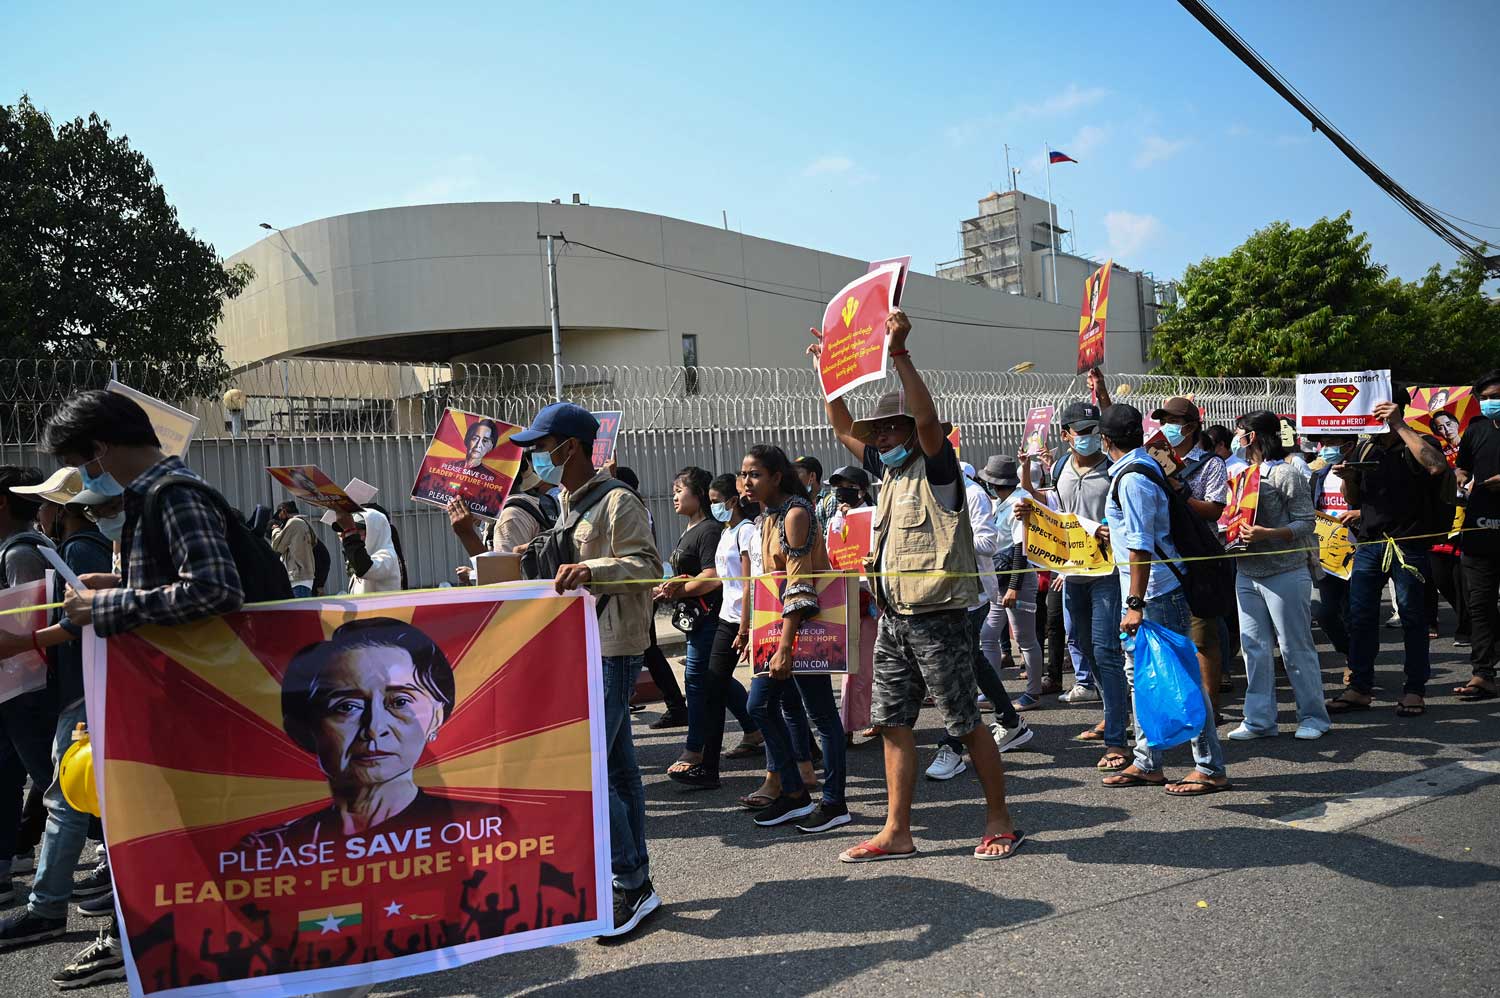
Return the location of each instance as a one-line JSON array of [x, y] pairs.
[[935, 647]]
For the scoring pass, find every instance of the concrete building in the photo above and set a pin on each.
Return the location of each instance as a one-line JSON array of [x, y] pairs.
[[468, 283]]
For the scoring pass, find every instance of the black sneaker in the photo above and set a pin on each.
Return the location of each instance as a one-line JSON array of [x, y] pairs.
[[101, 960], [631, 909], [24, 863], [95, 884], [784, 809], [825, 817], [7, 891], [674, 718], [23, 928], [102, 906]]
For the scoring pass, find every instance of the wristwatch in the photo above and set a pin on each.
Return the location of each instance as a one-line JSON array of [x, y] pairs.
[[1134, 603]]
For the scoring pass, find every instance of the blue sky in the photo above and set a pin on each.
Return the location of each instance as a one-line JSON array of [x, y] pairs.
[[868, 130]]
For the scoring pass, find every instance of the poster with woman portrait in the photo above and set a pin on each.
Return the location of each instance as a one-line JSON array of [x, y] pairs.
[[470, 457], [1444, 413], [823, 641], [307, 796], [312, 485]]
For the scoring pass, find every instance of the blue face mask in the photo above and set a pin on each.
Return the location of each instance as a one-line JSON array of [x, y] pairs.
[[112, 527], [1087, 445], [896, 456], [103, 484], [721, 512], [546, 470], [1489, 408], [1175, 434], [1333, 455], [1240, 447]]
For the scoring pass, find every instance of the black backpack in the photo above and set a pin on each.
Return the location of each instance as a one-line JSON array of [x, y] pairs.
[[543, 510], [24, 538], [322, 564], [554, 548], [1208, 584], [262, 574]]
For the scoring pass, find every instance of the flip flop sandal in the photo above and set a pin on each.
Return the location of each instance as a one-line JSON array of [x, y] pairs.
[[1123, 779], [1341, 706], [1473, 694], [1410, 709], [1121, 762], [1201, 788], [1015, 839], [696, 778], [745, 750], [756, 802], [872, 854]]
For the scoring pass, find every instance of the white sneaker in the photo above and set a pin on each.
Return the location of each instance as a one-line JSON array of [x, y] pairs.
[[947, 765], [1081, 694], [1244, 734], [1009, 738], [1308, 733]]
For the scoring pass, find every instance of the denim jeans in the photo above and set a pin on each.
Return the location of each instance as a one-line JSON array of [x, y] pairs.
[[63, 840], [766, 698], [28, 724], [301, 592], [1333, 611], [1282, 602], [1083, 672], [627, 797], [1170, 610], [700, 647], [723, 691], [1366, 580], [1093, 604]]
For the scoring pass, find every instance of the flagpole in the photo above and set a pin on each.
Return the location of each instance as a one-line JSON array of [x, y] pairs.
[[1052, 221]]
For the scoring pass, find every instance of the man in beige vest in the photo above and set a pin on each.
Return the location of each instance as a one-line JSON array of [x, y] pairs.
[[925, 578]]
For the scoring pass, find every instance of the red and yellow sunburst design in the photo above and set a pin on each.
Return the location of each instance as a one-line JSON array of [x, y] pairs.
[[823, 641], [1458, 402], [444, 475], [197, 764]]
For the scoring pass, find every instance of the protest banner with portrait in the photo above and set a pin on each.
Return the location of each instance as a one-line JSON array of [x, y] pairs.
[[26, 672], [309, 483], [1239, 510], [1342, 401], [823, 641], [853, 330], [174, 428], [1444, 413], [470, 457], [608, 436], [1335, 547], [849, 545], [1091, 319], [1062, 542], [1038, 425], [313, 795]]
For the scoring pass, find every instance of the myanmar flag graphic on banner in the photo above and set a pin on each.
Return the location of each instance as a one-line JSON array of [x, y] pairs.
[[310, 790]]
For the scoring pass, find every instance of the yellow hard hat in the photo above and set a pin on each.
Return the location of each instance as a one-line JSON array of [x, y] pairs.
[[76, 774]]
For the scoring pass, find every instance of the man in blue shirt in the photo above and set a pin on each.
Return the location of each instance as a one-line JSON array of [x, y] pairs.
[[1138, 513]]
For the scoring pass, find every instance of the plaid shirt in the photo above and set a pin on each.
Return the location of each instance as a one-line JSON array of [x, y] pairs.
[[200, 579]]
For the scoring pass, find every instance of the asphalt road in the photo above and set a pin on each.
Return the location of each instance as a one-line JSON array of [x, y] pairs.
[[1116, 892]]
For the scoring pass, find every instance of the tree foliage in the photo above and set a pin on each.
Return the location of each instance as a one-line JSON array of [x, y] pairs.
[[1292, 300], [94, 264]]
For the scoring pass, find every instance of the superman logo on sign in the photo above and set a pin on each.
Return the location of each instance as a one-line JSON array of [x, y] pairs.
[[1339, 396]]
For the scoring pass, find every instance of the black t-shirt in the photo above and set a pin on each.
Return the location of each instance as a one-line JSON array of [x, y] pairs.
[[942, 474], [1479, 456], [1394, 495], [695, 551]]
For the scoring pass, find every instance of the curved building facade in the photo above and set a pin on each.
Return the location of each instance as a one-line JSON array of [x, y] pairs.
[[468, 283]]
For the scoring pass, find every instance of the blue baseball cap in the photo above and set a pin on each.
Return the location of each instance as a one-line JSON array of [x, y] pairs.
[[560, 419]]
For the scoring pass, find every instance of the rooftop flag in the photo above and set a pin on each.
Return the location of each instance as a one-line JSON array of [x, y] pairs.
[[1060, 157]]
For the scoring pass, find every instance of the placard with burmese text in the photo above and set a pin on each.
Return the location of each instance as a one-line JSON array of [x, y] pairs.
[[853, 331], [313, 795]]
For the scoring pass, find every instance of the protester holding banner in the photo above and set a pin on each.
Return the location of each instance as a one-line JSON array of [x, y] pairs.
[[528, 510], [610, 535], [851, 486], [721, 690], [1274, 588], [792, 543], [1140, 534], [1327, 489], [1478, 466], [110, 439], [924, 570], [1391, 490], [370, 552]]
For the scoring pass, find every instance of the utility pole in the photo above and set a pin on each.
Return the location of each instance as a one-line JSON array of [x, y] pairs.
[[552, 308]]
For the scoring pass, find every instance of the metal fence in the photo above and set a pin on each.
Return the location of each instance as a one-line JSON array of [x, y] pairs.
[[373, 421]]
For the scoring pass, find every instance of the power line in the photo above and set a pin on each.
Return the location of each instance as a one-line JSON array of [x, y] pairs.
[[1420, 210]]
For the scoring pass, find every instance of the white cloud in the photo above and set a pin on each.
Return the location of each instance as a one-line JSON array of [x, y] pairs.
[[825, 165], [453, 180], [1129, 232], [1072, 98], [1084, 141], [1155, 149]]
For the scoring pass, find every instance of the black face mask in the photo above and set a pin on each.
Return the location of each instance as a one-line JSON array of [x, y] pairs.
[[749, 510], [846, 495]]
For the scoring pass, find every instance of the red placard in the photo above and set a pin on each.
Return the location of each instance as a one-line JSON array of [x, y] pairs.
[[823, 641], [470, 457], [850, 544], [854, 340], [955, 437], [608, 436], [1038, 424], [905, 262], [1091, 319], [1239, 511], [308, 483]]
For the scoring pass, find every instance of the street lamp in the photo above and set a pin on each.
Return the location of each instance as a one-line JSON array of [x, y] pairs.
[[269, 227]]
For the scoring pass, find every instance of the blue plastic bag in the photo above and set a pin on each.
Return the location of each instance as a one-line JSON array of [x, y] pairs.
[[1168, 688]]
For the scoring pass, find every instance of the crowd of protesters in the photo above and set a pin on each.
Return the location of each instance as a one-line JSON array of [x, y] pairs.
[[948, 600]]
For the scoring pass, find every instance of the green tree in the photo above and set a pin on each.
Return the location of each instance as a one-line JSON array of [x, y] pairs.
[[94, 264]]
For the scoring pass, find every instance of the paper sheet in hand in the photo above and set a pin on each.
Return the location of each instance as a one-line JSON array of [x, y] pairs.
[[60, 567]]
